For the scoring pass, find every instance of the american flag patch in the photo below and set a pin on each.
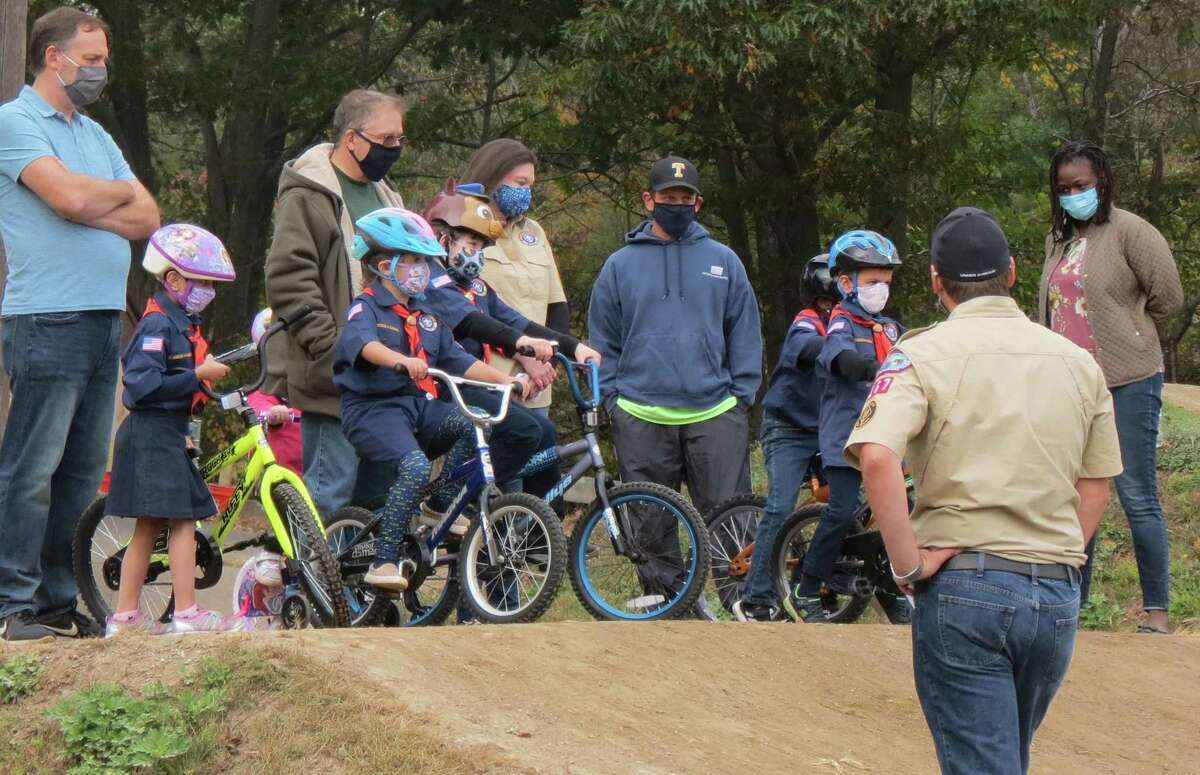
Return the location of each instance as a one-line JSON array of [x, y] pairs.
[[152, 344], [441, 281], [357, 308], [837, 326], [805, 325]]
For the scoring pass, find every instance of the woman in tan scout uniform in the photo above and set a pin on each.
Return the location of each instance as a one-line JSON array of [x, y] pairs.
[[1009, 431], [520, 265], [1108, 283]]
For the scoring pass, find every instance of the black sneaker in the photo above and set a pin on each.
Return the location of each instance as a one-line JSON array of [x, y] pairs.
[[897, 609], [755, 612], [810, 608], [23, 626], [71, 624]]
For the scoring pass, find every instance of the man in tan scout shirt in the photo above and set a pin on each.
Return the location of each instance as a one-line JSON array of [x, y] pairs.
[[1009, 430]]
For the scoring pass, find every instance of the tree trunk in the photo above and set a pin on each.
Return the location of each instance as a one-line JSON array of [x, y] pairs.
[[887, 201], [13, 15], [1110, 31]]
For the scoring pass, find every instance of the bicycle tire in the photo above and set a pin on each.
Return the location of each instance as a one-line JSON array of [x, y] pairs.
[[88, 577], [548, 550], [592, 530], [732, 526], [787, 557], [367, 609], [322, 570]]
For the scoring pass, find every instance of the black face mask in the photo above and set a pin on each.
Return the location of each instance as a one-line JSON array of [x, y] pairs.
[[674, 219], [379, 159]]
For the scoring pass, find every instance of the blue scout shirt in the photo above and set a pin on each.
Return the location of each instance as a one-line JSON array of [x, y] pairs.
[[842, 399], [371, 319], [484, 299], [794, 393], [55, 265], [159, 363]]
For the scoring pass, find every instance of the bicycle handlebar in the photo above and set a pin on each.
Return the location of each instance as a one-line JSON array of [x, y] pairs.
[[570, 367], [236, 355], [477, 416]]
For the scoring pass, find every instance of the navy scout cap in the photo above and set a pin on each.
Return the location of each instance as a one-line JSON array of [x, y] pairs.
[[969, 246], [674, 172]]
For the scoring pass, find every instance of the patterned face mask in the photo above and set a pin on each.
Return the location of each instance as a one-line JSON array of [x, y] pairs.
[[513, 201]]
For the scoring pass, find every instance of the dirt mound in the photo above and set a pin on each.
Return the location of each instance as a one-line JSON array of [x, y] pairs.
[[696, 697], [686, 697], [1184, 396]]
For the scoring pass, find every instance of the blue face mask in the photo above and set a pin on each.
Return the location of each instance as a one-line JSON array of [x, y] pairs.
[[1081, 206], [513, 201]]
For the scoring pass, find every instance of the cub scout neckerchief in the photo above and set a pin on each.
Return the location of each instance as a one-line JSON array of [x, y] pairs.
[[414, 342]]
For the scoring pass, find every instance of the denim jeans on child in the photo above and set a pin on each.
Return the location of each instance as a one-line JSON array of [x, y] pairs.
[[1138, 407], [787, 451], [990, 649], [62, 368]]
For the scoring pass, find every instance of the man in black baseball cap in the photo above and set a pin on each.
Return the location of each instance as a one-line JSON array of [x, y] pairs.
[[676, 309], [1009, 430]]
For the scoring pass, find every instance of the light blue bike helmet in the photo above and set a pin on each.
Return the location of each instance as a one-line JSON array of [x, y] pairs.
[[393, 231]]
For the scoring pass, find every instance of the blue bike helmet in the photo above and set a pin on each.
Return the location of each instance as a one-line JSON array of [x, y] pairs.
[[392, 231], [861, 249]]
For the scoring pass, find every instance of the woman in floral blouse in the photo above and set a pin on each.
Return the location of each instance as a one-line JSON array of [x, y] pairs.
[[1108, 284]]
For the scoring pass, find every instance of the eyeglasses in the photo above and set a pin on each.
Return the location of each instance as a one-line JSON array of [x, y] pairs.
[[388, 141]]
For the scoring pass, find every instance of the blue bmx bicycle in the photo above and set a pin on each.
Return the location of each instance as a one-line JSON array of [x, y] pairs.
[[508, 566], [640, 551]]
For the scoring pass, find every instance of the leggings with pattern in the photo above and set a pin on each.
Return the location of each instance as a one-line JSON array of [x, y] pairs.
[[412, 474]]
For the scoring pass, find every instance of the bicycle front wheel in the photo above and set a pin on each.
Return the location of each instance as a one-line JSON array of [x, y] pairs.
[[318, 571], [662, 571], [98, 551], [787, 558], [519, 582]]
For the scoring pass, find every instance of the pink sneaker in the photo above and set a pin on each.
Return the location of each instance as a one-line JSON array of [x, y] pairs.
[[200, 620], [137, 623]]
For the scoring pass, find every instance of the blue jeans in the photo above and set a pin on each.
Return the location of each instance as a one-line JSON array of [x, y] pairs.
[[330, 462], [62, 368], [990, 650], [1138, 407], [837, 522], [787, 451]]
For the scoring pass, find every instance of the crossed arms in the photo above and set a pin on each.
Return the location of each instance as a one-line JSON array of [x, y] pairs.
[[123, 207]]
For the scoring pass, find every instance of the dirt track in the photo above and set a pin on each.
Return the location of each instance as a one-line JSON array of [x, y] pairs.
[[703, 698], [1183, 396]]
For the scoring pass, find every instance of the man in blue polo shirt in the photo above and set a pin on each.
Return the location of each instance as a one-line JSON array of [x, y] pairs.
[[68, 207]]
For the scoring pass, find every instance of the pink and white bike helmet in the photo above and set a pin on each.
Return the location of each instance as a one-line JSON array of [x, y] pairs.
[[195, 253], [262, 321]]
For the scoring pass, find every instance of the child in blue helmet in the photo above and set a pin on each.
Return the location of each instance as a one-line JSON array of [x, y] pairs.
[[857, 342], [380, 369], [791, 413]]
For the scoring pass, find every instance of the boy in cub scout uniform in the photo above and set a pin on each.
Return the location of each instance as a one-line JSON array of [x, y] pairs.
[[1009, 430]]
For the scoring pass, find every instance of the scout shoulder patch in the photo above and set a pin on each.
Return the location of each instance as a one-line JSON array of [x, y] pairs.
[[355, 310], [529, 238], [805, 324], [881, 386], [838, 325], [152, 344], [478, 287], [891, 331], [868, 414], [441, 281], [895, 363], [427, 322]]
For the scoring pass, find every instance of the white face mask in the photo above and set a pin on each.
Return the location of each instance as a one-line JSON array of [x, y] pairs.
[[873, 298]]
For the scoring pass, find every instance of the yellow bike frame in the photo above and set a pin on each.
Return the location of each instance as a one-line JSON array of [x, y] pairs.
[[263, 471]]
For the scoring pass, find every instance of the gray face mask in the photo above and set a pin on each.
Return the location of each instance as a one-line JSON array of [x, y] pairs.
[[89, 83]]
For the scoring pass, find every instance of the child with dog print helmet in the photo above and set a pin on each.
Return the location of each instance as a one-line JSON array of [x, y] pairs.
[[857, 343]]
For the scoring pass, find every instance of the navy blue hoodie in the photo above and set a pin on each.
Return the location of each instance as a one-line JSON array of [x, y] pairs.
[[676, 321]]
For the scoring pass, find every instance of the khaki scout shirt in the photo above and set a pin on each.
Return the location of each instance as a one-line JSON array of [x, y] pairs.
[[998, 418], [520, 268]]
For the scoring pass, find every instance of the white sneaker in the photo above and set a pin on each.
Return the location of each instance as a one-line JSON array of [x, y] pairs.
[[389, 575], [139, 623], [431, 519], [201, 621], [645, 603], [268, 569]]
